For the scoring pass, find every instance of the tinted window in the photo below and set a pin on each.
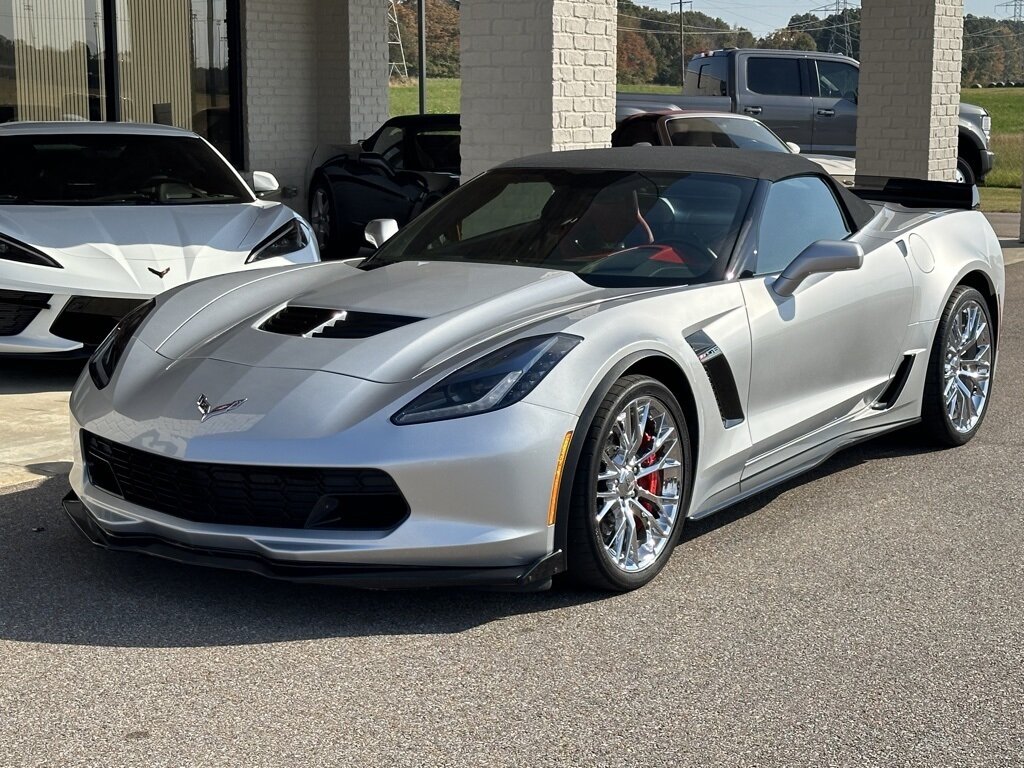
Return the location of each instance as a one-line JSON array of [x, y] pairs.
[[112, 169], [638, 130], [725, 132], [837, 80], [612, 228], [774, 76], [798, 212], [711, 77]]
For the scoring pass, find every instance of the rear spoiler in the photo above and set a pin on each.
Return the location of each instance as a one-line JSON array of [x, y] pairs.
[[915, 193]]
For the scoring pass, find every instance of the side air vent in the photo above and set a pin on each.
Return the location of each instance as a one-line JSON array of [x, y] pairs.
[[319, 323], [899, 382], [719, 372]]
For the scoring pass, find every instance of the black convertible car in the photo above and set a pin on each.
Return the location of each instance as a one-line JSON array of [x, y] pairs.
[[403, 169]]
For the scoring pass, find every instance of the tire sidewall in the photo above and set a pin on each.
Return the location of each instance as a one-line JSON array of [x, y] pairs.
[[936, 416], [585, 486]]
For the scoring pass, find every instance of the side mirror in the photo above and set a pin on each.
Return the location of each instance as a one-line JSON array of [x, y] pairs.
[[794, 148], [821, 257], [379, 231], [264, 183]]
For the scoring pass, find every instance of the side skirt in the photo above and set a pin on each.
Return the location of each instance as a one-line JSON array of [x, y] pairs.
[[797, 465]]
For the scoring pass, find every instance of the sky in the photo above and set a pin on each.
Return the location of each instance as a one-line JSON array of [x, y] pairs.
[[763, 16]]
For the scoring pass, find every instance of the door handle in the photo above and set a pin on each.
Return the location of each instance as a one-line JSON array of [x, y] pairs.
[[753, 110], [826, 113]]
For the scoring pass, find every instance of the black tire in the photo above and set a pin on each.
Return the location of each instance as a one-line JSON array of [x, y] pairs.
[[936, 423], [965, 169], [326, 231], [589, 564]]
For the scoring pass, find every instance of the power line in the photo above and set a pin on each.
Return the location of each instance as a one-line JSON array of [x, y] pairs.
[[841, 40]]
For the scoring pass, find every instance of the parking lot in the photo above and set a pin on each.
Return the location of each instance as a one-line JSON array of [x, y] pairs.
[[869, 613]]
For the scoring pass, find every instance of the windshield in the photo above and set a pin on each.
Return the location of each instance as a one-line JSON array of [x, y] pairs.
[[111, 169], [612, 228], [723, 132]]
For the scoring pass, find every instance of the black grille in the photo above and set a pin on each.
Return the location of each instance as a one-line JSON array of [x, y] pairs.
[[275, 497], [88, 320], [321, 323], [18, 309]]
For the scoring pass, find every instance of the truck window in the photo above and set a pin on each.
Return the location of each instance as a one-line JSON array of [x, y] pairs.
[[711, 77], [837, 80], [774, 76]]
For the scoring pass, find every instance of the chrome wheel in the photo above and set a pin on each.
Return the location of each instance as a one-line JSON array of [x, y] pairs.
[[320, 217], [967, 370], [639, 485]]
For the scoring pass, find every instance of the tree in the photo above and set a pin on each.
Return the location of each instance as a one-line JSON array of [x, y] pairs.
[[442, 36], [635, 60], [787, 39]]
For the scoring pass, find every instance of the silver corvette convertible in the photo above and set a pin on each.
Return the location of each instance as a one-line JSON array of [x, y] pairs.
[[551, 370]]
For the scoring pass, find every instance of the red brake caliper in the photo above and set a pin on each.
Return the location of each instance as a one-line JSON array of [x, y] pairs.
[[651, 483]]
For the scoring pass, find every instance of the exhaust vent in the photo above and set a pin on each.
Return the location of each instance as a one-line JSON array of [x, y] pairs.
[[319, 323]]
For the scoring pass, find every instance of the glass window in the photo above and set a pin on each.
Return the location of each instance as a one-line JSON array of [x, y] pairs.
[[389, 146], [725, 132], [51, 60], [95, 169], [515, 205], [773, 76], [798, 212], [837, 80], [713, 77], [637, 130], [612, 228], [435, 150], [173, 64]]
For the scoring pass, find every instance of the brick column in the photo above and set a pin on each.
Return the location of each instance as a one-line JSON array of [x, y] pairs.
[[537, 75], [315, 72], [911, 56]]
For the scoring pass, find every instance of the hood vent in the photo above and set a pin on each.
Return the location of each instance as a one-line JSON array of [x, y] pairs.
[[318, 323]]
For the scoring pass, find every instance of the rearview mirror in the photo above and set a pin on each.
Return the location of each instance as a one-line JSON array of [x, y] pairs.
[[264, 183], [821, 257], [794, 148], [379, 231]]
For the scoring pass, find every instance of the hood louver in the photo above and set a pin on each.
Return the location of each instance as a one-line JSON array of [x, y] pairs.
[[318, 323]]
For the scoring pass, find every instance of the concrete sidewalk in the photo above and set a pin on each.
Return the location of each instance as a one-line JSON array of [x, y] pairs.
[[34, 442]]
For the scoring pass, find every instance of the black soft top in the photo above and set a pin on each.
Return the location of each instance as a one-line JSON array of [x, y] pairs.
[[769, 166]]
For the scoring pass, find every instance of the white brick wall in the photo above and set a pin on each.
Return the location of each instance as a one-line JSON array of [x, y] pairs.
[[315, 71], [537, 75], [911, 56]]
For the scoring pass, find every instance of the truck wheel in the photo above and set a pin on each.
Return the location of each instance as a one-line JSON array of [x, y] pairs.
[[964, 172]]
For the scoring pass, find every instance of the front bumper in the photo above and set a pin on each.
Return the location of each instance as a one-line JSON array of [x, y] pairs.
[[533, 576], [988, 161]]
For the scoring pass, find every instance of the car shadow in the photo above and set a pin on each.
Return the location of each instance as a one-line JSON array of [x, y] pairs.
[[23, 376], [57, 588]]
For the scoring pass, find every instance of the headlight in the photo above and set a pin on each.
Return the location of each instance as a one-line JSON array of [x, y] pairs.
[[110, 351], [288, 239], [12, 250], [986, 126], [492, 382]]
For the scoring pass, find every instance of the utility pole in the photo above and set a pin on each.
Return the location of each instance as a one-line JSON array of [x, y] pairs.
[[682, 40], [422, 12], [398, 63]]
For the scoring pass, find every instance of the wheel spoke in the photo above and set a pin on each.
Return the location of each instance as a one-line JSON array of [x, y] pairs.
[[636, 521]]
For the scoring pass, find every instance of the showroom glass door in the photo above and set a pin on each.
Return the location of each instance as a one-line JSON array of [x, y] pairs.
[[172, 63], [51, 60]]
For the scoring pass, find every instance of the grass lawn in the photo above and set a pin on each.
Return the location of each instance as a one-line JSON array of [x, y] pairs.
[[442, 97], [1000, 200]]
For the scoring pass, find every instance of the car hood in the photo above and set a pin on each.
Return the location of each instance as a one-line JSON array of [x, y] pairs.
[[122, 248], [451, 309]]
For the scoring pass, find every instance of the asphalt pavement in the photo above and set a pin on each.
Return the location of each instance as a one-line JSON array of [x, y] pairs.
[[868, 614]]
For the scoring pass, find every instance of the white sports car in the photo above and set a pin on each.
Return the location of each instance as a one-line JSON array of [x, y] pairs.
[[96, 218]]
